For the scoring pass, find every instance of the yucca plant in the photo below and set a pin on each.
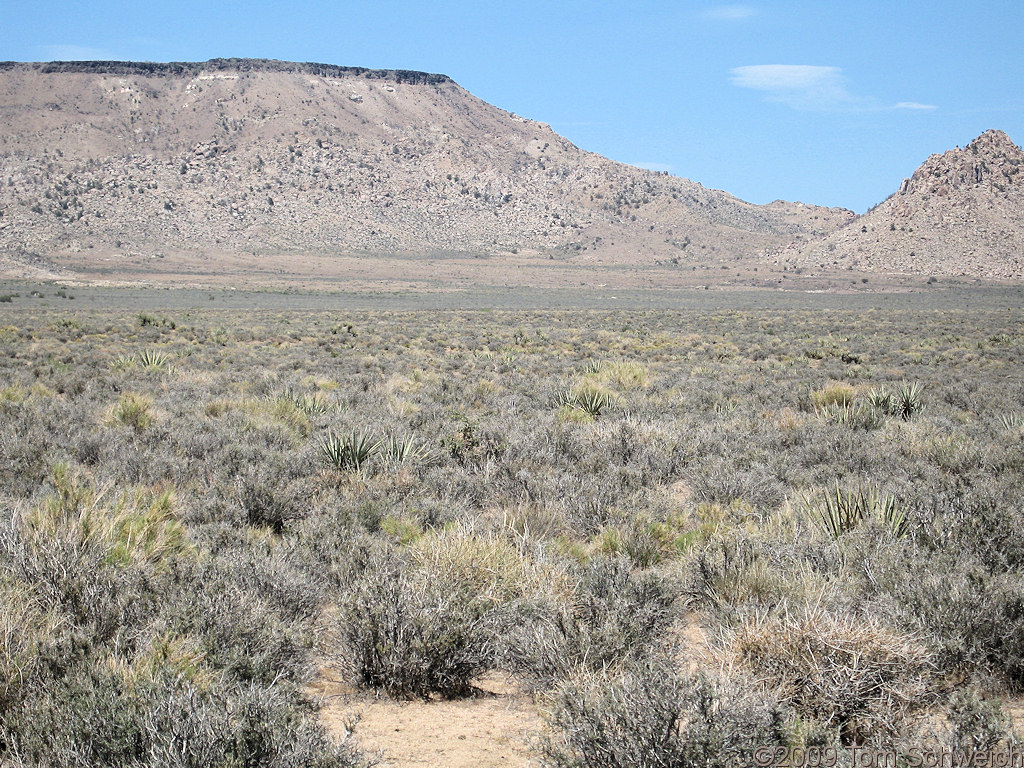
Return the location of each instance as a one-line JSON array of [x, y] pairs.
[[843, 510], [398, 450], [881, 399], [859, 415], [592, 400], [351, 451], [153, 359], [1012, 421], [565, 399], [907, 401], [837, 413], [124, 362], [310, 403]]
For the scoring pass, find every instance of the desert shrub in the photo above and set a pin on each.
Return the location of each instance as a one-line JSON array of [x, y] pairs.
[[610, 616], [738, 572], [100, 717], [859, 415], [963, 590], [265, 501], [651, 714], [472, 445], [644, 541], [1012, 421], [975, 619], [851, 672], [425, 620], [978, 723], [155, 321], [719, 481], [253, 622]]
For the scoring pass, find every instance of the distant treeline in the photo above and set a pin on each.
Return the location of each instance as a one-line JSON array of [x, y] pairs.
[[178, 68]]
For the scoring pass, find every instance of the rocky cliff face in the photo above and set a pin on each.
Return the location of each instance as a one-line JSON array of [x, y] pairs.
[[960, 214], [125, 162]]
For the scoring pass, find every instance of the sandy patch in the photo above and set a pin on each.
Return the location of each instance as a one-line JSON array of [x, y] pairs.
[[493, 728]]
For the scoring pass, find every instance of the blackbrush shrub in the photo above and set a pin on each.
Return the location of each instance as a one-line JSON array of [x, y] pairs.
[[426, 620], [978, 723], [238, 626], [265, 501], [611, 615], [719, 481], [651, 714], [98, 717], [845, 671], [974, 619]]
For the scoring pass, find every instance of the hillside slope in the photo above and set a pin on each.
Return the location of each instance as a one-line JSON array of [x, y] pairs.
[[960, 214], [106, 163]]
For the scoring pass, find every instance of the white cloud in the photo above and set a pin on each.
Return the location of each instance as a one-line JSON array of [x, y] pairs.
[[731, 12], [810, 88], [800, 86], [75, 53]]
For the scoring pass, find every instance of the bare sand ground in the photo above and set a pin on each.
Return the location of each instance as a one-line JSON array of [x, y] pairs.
[[491, 729]]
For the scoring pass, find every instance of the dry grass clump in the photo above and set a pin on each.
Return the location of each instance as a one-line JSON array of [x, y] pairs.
[[132, 410], [835, 394], [27, 629], [851, 672], [137, 526]]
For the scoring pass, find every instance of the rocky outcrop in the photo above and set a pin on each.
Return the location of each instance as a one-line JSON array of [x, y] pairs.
[[961, 214]]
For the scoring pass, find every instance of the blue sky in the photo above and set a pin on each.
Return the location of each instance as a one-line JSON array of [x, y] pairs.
[[830, 103]]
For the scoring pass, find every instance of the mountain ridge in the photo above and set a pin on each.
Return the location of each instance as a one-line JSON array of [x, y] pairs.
[[139, 168]]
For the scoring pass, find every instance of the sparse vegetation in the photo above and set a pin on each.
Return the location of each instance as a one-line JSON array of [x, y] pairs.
[[681, 532]]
